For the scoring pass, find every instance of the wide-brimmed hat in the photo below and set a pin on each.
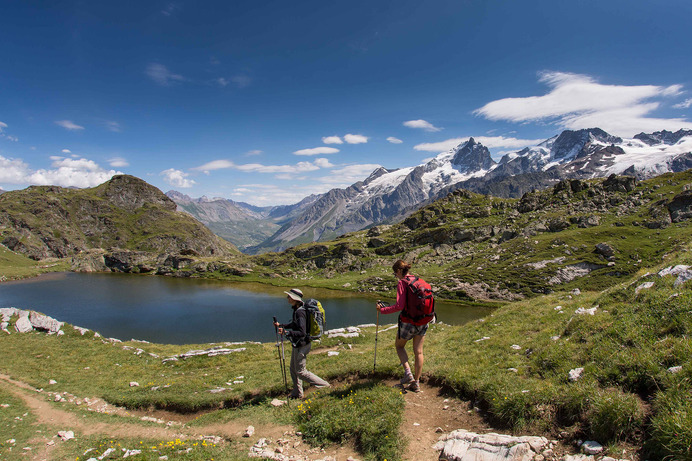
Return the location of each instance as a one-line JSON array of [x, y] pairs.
[[295, 294]]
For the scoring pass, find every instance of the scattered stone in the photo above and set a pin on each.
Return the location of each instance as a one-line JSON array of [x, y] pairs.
[[464, 445], [576, 292], [516, 347], [249, 431], [134, 384], [591, 448], [583, 311], [213, 439], [555, 338], [674, 370], [43, 322], [332, 353], [129, 453], [278, 403], [484, 338], [52, 381], [439, 430], [605, 250], [575, 374], [557, 308], [643, 286], [66, 435], [513, 370], [23, 324]]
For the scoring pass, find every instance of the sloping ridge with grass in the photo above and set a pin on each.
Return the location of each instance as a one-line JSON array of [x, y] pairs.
[[124, 213]]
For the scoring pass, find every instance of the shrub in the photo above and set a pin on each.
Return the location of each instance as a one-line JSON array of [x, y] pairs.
[[671, 427], [614, 415]]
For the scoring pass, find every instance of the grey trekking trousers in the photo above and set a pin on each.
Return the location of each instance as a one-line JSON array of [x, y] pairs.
[[299, 372]]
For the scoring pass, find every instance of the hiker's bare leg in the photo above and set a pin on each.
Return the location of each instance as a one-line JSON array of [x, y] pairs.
[[400, 345], [418, 355]]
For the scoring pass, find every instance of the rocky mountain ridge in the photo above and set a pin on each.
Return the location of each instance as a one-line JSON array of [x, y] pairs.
[[388, 196], [122, 214]]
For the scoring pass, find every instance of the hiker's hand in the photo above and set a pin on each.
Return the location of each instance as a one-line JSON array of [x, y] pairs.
[[281, 331], [379, 305], [276, 324]]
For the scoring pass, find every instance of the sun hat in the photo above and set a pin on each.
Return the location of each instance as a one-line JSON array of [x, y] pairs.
[[295, 294]]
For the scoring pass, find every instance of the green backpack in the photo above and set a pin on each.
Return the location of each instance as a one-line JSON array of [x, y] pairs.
[[316, 318]]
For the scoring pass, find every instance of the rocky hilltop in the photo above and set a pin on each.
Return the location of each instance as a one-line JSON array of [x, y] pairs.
[[125, 214]]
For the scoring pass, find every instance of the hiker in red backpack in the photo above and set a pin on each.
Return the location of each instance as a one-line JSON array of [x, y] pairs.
[[416, 313]]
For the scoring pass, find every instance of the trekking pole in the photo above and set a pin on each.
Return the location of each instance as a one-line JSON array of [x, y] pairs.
[[377, 330], [280, 351]]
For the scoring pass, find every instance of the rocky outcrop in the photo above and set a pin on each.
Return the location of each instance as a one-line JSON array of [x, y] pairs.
[[462, 445]]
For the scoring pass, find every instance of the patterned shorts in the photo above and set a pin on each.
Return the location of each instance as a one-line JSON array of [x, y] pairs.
[[408, 331]]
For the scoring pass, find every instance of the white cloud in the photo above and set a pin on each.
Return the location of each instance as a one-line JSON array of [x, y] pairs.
[[161, 75], [2, 126], [684, 105], [487, 141], [578, 101], [69, 125], [118, 162], [254, 152], [9, 137], [355, 139], [66, 151], [177, 178], [332, 140], [222, 82], [260, 168], [317, 151], [214, 165], [13, 171], [394, 140], [65, 172], [344, 177], [422, 124], [6, 136], [323, 163]]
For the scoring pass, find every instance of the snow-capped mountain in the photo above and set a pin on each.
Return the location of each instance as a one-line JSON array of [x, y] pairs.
[[389, 195]]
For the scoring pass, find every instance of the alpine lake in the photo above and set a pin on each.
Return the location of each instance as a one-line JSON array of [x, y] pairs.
[[192, 311]]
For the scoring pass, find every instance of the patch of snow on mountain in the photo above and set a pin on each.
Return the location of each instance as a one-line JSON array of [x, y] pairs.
[[651, 159]]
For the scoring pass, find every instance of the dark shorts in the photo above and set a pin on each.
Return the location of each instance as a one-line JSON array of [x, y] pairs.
[[408, 331]]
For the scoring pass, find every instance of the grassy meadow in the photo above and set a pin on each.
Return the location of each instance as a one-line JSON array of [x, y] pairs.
[[514, 365]]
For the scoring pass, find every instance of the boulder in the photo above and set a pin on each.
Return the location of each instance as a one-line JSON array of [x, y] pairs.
[[43, 322], [616, 183], [23, 324], [605, 250], [464, 445], [680, 207]]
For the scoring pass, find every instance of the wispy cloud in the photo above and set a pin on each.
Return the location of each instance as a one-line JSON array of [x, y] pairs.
[[355, 139], [66, 151], [118, 162], [2, 126], [261, 168], [684, 105], [332, 140], [69, 125], [241, 80], [113, 126], [161, 75], [317, 151], [422, 125], [578, 101], [254, 152], [487, 141], [65, 172], [347, 175], [222, 82], [172, 8], [6, 136], [177, 178], [214, 165], [394, 140]]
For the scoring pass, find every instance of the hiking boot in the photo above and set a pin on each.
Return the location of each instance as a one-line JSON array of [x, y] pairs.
[[414, 387], [293, 396], [408, 378]]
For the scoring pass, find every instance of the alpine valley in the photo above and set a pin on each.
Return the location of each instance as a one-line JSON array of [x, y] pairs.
[[388, 196]]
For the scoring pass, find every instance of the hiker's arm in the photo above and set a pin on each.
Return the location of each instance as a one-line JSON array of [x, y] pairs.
[[298, 328], [400, 300]]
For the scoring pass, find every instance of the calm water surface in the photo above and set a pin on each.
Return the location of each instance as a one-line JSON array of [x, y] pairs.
[[189, 311]]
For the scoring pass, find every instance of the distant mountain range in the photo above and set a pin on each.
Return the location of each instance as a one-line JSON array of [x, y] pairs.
[[389, 195]]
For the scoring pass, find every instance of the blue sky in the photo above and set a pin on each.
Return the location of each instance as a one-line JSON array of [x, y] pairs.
[[269, 101]]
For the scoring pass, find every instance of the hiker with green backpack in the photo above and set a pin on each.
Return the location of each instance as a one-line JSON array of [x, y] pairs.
[[415, 301], [301, 331]]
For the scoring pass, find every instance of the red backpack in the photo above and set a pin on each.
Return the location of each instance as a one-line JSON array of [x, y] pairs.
[[420, 304]]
